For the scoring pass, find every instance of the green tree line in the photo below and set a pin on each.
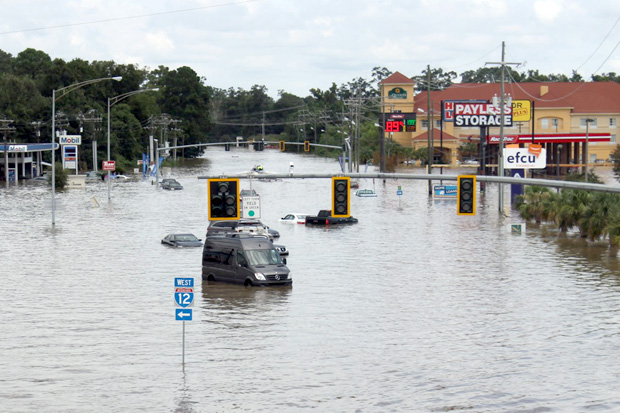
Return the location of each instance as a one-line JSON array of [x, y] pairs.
[[202, 113], [595, 215]]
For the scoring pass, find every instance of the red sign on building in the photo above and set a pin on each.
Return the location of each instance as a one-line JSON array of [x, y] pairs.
[[109, 166]]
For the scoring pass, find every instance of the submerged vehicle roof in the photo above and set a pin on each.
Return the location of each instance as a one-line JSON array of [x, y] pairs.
[[239, 238]]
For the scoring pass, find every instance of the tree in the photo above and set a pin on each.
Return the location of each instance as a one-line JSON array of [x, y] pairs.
[[615, 157], [6, 62], [596, 218], [533, 203], [439, 80], [21, 101], [606, 77], [61, 176], [32, 63], [185, 98]]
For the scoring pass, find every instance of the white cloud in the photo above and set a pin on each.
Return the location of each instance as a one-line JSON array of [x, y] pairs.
[[159, 41], [547, 11], [296, 45]]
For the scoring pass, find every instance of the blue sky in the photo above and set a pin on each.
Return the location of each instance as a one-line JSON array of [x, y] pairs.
[[296, 45]]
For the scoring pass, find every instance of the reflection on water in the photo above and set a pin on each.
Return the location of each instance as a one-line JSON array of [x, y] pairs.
[[412, 309], [243, 301]]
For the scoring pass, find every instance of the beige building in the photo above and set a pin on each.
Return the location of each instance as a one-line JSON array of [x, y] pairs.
[[565, 115]]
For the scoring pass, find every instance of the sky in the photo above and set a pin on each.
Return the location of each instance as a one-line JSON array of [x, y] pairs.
[[298, 45]]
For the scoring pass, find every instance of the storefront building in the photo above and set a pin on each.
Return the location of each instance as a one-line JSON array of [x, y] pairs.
[[569, 119]]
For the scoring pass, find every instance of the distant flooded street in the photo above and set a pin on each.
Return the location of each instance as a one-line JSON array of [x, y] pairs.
[[412, 309]]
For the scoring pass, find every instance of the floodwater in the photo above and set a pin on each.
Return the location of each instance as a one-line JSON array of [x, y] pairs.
[[413, 309]]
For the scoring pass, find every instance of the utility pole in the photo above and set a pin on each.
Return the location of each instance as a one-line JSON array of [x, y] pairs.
[[5, 128], [430, 151], [92, 117], [174, 130], [500, 161]]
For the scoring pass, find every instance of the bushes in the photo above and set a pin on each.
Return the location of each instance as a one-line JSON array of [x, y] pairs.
[[595, 214]]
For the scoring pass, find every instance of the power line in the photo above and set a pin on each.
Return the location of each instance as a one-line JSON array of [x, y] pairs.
[[60, 26]]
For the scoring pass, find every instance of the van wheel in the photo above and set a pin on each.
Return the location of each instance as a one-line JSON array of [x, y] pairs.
[[248, 283]]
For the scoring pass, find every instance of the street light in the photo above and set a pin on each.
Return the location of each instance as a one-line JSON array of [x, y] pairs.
[[588, 120], [64, 91], [558, 159], [111, 102], [431, 155]]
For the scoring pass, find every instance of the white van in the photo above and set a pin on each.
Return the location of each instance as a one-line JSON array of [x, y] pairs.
[[243, 259]]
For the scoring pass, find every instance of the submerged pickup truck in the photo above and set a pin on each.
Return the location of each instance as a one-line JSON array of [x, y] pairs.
[[324, 217]]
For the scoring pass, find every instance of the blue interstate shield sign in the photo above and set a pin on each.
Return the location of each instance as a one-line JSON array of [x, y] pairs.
[[184, 298]]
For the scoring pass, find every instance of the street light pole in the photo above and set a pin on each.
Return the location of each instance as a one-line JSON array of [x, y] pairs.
[[558, 159], [111, 102], [63, 91]]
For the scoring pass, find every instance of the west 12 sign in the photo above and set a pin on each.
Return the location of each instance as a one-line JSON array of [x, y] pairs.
[[399, 122]]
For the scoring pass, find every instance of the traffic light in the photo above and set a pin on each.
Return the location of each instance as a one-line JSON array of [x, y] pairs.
[[466, 197], [341, 190], [307, 146], [223, 199], [282, 146]]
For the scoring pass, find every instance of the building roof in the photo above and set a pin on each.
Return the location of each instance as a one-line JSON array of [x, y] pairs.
[[580, 97], [397, 78], [29, 147], [436, 136]]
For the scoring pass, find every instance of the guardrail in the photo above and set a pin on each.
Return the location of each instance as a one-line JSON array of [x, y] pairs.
[[480, 178]]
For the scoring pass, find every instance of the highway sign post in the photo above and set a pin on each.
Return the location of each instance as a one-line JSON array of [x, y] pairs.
[[183, 297]]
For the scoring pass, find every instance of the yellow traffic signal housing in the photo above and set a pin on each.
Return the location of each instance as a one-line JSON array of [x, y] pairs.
[[307, 146], [224, 199], [282, 146], [466, 196], [341, 197]]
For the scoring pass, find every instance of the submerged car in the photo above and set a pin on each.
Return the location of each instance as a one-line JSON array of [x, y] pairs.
[[247, 226], [171, 184], [273, 233], [93, 176], [295, 218], [182, 240]]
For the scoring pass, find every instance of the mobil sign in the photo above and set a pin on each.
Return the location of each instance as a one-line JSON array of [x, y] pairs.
[[533, 157], [70, 139]]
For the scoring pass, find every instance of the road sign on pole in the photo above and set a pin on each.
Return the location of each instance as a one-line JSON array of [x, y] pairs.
[[250, 207], [108, 165], [184, 314], [184, 297]]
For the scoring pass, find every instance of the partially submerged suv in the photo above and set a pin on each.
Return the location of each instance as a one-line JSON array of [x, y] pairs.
[[243, 259], [246, 226]]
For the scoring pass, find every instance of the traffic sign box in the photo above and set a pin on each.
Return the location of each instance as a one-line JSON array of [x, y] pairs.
[[183, 314], [108, 165], [184, 282]]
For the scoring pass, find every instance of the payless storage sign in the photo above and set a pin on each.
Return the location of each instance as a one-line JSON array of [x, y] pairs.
[[480, 114]]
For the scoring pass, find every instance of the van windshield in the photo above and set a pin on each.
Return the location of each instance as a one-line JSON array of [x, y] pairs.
[[263, 257]]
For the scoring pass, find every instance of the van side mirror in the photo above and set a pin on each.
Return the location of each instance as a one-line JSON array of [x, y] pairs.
[[284, 261]]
